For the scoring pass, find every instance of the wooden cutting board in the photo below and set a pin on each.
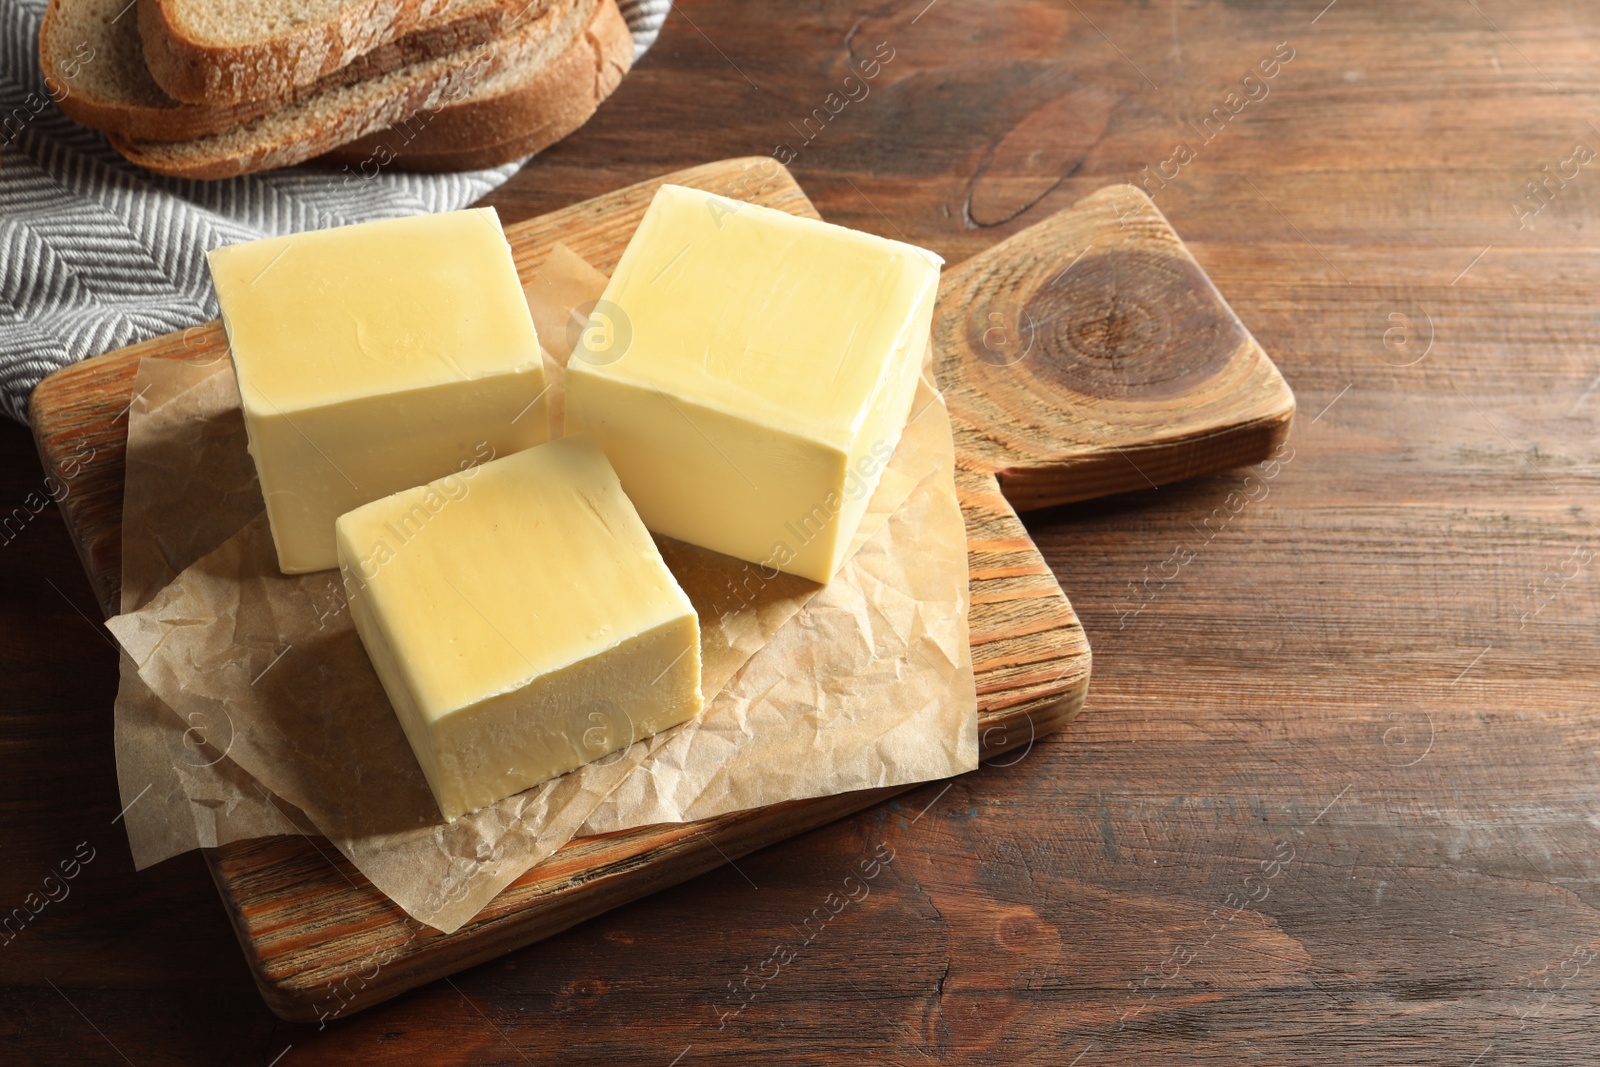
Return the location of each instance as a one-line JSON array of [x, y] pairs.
[[1084, 356]]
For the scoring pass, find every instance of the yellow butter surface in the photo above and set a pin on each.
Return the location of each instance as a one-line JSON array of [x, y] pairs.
[[749, 372], [374, 358], [521, 620]]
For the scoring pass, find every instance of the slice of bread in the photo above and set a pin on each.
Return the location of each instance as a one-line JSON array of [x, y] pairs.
[[344, 113], [91, 50], [205, 52], [511, 115]]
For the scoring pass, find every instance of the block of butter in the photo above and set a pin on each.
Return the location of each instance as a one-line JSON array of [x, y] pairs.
[[749, 372], [373, 358], [521, 620]]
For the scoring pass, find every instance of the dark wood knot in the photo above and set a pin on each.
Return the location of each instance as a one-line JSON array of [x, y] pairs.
[[1127, 323]]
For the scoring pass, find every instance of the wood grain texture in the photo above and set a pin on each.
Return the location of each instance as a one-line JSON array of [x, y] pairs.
[[1089, 355], [1386, 657], [322, 941]]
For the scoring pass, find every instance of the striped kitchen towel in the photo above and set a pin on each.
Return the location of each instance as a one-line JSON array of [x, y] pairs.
[[96, 253]]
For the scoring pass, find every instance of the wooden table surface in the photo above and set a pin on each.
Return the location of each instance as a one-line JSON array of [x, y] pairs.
[[1333, 796]]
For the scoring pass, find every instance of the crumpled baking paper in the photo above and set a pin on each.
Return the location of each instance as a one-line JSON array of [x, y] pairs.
[[248, 706]]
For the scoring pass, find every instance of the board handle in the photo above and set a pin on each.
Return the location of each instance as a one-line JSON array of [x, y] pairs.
[[1089, 354]]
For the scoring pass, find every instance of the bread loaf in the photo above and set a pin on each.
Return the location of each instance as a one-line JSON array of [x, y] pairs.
[[205, 52], [341, 114], [91, 51], [514, 114]]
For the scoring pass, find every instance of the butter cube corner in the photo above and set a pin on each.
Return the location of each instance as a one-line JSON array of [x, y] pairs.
[[376, 357], [749, 373], [520, 619]]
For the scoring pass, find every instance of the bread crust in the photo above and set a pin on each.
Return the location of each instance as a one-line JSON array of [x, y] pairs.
[[148, 113], [490, 128], [160, 118], [194, 70], [323, 122]]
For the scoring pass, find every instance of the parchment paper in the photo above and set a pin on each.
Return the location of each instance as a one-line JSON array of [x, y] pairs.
[[254, 710], [561, 293], [186, 459]]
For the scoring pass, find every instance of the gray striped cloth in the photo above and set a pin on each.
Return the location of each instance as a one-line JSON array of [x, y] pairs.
[[96, 253]]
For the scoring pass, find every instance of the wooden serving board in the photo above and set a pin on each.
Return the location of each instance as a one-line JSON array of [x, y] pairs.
[[1084, 356]]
